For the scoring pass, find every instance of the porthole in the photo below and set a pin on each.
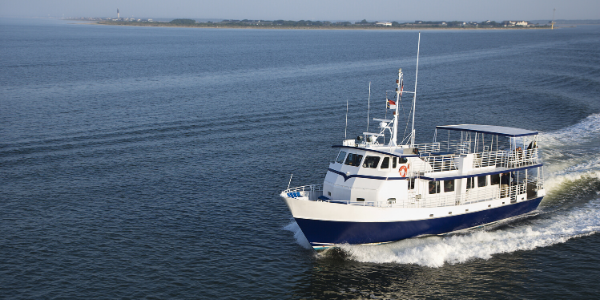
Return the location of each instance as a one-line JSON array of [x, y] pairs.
[[431, 215]]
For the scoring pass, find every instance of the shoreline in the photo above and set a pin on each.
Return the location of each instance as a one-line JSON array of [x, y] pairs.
[[215, 26]]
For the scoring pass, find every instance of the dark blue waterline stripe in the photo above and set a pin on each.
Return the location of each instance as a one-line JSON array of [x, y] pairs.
[[319, 232]]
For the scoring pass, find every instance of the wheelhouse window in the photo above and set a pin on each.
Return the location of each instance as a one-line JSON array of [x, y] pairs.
[[448, 186], [481, 181], [394, 161], [434, 187], [495, 179], [371, 162], [353, 159], [402, 160], [385, 164], [340, 157]]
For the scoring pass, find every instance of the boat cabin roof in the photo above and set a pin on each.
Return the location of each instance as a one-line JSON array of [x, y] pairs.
[[498, 130]]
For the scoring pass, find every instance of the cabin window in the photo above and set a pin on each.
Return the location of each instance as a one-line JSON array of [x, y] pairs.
[[353, 159], [470, 183], [394, 160], [448, 186], [481, 181], [495, 179], [402, 160], [411, 184], [385, 164], [340, 157], [434, 187], [371, 162], [360, 199]]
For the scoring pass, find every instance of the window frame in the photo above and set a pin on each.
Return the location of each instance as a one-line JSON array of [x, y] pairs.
[[446, 188], [353, 159], [436, 187], [479, 185], [337, 160], [470, 183], [385, 160], [369, 158], [495, 176]]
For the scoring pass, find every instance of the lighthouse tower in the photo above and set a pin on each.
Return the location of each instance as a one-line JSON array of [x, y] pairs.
[[118, 15]]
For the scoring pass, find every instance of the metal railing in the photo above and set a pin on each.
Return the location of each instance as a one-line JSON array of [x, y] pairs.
[[440, 163], [522, 158], [310, 192], [530, 188], [471, 196], [359, 203], [490, 158], [428, 147], [456, 147]]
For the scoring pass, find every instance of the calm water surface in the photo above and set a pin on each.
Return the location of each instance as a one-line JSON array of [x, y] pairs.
[[146, 162]]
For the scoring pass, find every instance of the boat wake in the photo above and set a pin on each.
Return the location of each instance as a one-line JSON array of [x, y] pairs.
[[570, 210]]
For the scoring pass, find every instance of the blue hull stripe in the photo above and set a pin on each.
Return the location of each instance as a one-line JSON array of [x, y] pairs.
[[320, 232], [346, 177]]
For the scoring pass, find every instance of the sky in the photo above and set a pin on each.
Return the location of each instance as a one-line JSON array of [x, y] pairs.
[[325, 10]]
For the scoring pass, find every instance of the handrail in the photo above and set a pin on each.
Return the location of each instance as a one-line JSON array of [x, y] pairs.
[[309, 187]]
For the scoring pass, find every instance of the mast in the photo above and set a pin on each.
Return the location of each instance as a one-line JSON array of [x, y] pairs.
[[393, 141], [368, 106], [412, 138]]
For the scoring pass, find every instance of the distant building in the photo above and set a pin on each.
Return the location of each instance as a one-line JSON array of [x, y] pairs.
[[522, 23], [383, 23], [515, 23]]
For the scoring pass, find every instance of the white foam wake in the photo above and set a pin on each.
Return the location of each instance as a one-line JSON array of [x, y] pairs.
[[578, 133], [436, 251], [572, 152], [298, 235]]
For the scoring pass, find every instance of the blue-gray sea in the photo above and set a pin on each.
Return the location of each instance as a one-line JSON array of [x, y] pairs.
[[146, 163]]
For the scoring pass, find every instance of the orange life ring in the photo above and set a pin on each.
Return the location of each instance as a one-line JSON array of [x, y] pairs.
[[403, 170]]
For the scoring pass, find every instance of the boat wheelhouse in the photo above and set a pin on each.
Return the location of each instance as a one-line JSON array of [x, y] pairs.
[[378, 190]]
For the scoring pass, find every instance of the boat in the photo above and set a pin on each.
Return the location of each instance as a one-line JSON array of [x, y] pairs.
[[380, 189]]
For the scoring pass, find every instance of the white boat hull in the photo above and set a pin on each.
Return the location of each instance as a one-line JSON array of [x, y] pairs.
[[325, 224]]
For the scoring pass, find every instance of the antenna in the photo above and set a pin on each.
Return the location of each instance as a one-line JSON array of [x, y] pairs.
[[346, 129], [412, 139], [290, 182], [368, 106]]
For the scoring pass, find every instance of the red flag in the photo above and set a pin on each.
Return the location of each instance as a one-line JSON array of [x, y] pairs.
[[391, 104]]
